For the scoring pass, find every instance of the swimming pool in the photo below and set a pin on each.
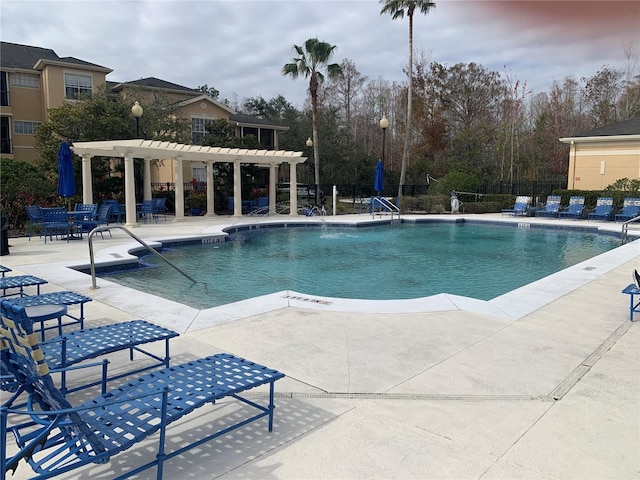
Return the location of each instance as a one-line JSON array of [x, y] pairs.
[[389, 262]]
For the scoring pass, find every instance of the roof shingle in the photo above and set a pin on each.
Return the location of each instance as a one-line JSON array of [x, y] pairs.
[[626, 127]]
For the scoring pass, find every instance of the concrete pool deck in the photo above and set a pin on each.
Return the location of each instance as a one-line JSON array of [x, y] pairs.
[[543, 382]]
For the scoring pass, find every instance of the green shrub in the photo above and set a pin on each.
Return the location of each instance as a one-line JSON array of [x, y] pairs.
[[24, 184], [482, 207], [197, 200]]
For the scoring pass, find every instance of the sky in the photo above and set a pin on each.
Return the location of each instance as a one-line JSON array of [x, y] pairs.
[[240, 46]]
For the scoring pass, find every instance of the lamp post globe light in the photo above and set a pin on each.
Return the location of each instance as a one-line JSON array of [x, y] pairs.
[[137, 112], [384, 124]]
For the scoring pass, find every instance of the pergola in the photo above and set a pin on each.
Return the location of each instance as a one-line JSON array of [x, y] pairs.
[[152, 150]]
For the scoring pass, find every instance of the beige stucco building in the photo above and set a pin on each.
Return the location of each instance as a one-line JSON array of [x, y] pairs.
[[599, 157], [34, 80]]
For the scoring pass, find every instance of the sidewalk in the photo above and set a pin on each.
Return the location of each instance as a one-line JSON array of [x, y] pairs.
[[516, 388]]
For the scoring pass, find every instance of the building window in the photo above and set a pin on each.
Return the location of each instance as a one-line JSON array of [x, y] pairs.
[[199, 129], [4, 90], [199, 172], [25, 128], [5, 137], [25, 80], [75, 85]]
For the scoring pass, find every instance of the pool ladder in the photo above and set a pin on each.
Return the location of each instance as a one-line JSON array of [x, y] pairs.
[[625, 229], [384, 205], [94, 286]]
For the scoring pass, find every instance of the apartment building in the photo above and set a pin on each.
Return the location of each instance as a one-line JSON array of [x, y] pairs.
[[36, 79], [32, 81]]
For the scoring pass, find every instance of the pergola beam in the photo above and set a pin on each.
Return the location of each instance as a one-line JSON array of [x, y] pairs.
[[149, 149]]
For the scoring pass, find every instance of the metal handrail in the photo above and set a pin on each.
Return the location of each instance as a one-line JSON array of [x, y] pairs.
[[625, 229], [140, 241], [386, 204]]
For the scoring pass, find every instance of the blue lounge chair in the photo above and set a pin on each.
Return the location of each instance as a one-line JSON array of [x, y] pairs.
[[520, 207], [20, 281], [66, 298], [551, 208], [575, 209], [231, 205], [603, 210], [4, 270], [630, 209], [36, 219], [54, 437], [78, 346]]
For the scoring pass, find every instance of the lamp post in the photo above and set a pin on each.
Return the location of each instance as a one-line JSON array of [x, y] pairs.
[[137, 111], [384, 123], [309, 144]]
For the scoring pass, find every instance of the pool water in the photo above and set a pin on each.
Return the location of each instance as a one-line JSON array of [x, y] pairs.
[[391, 262]]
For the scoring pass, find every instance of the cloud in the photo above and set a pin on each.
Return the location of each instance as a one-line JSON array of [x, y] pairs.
[[239, 47]]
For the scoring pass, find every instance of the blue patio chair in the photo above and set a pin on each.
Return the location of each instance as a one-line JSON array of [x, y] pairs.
[[230, 204], [90, 208], [575, 209], [56, 222], [55, 437], [520, 207], [115, 214], [603, 210], [102, 218], [84, 211], [630, 209], [159, 207], [551, 208], [36, 219], [147, 211]]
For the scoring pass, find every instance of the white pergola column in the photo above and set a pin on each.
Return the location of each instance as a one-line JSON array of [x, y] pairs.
[[211, 190], [237, 189], [273, 176], [147, 179], [293, 189], [129, 192], [179, 189], [87, 186]]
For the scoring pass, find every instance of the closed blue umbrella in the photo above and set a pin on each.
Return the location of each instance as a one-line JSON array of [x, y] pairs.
[[66, 181], [378, 184]]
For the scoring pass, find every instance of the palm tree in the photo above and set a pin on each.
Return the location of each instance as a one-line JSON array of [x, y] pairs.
[[396, 8], [311, 60]]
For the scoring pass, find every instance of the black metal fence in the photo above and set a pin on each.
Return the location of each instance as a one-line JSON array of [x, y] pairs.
[[533, 188]]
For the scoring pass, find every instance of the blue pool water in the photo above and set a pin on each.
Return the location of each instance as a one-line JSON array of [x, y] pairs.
[[391, 262]]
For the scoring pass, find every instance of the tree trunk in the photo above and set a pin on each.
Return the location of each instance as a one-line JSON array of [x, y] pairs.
[[407, 136], [313, 90]]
